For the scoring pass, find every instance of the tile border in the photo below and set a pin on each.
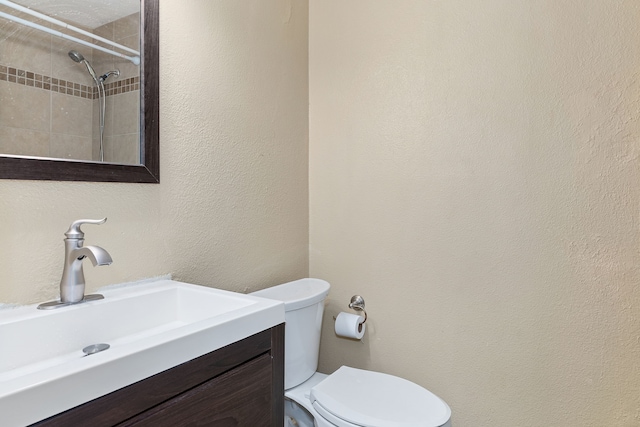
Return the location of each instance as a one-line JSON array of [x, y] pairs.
[[40, 81]]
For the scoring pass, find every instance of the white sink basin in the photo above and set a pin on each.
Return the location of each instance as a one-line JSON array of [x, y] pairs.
[[150, 327]]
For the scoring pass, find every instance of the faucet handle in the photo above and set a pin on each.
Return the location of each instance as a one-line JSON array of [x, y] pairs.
[[74, 231]]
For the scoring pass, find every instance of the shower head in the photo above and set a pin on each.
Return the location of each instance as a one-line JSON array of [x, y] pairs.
[[77, 57]]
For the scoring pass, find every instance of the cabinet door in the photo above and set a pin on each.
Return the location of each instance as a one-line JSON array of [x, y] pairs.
[[240, 397]]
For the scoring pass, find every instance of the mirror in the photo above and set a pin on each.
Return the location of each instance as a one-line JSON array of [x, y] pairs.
[[91, 69]]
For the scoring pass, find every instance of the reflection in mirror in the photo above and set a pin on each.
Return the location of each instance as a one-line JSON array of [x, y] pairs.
[[71, 77]]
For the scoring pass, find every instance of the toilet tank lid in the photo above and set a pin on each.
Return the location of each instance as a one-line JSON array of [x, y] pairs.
[[297, 294]]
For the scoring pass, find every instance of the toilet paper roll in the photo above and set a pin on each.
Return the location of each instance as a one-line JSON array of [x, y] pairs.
[[350, 325]]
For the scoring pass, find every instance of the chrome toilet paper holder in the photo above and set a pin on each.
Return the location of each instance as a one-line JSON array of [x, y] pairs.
[[357, 304]]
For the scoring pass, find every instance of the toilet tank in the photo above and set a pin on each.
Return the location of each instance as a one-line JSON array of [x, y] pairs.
[[303, 305]]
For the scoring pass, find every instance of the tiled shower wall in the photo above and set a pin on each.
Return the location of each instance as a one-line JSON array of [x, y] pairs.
[[122, 119], [48, 103]]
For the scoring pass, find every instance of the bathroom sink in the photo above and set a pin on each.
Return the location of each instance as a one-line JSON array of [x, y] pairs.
[[149, 327]]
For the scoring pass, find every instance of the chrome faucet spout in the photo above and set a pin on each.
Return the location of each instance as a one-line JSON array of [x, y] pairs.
[[72, 283], [96, 254]]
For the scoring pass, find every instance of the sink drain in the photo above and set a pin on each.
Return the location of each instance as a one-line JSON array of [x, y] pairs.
[[95, 348]]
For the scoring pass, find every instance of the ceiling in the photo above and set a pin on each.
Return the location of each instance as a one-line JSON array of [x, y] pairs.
[[84, 13]]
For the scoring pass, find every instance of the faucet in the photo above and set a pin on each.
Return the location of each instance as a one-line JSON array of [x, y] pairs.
[[72, 283]]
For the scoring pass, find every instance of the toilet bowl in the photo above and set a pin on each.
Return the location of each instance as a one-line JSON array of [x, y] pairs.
[[348, 397]]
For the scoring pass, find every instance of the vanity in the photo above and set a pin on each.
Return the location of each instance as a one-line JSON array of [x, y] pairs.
[[238, 385], [177, 354]]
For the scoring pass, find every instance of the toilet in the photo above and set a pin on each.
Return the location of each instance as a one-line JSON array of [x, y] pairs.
[[348, 397]]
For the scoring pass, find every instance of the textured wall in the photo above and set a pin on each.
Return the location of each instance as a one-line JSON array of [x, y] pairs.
[[474, 175], [231, 209]]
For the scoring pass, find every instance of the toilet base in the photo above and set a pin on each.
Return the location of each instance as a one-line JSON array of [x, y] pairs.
[[297, 416], [298, 407]]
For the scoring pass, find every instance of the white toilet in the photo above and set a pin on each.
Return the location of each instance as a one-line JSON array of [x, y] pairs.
[[349, 397]]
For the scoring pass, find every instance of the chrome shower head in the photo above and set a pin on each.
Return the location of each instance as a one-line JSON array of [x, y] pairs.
[[76, 56]]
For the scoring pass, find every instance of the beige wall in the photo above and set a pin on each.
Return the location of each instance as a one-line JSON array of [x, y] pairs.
[[474, 175], [231, 209]]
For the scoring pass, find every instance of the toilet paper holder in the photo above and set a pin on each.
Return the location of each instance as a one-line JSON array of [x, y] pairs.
[[357, 304]]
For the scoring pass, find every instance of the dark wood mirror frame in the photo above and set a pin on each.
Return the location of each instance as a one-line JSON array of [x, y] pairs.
[[149, 169]]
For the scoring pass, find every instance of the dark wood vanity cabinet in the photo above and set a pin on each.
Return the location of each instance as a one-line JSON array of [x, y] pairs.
[[241, 384]]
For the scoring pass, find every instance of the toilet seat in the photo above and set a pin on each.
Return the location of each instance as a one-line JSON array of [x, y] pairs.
[[357, 398]]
